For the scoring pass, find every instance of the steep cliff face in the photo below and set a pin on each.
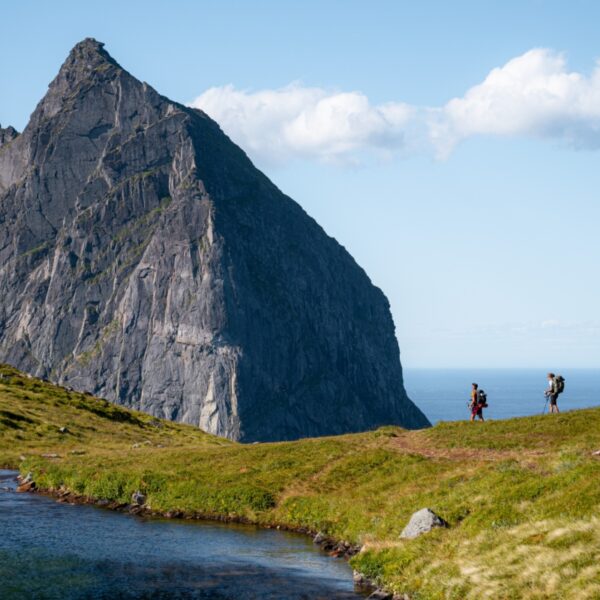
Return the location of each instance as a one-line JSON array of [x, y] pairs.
[[145, 259]]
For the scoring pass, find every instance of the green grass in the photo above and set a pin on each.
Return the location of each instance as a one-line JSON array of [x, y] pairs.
[[521, 496]]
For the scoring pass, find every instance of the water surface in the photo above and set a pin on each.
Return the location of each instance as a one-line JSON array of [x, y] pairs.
[[51, 550]]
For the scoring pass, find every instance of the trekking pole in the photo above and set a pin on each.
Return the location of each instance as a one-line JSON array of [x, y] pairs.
[[545, 405]]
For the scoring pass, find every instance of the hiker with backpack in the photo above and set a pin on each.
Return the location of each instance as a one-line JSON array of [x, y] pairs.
[[478, 402], [556, 386]]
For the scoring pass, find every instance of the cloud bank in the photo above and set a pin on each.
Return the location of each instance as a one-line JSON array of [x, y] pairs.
[[532, 95], [298, 121]]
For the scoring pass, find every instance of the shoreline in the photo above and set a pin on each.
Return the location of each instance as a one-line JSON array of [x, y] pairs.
[[332, 547]]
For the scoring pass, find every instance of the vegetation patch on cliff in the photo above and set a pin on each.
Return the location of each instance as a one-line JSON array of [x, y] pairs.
[[521, 496]]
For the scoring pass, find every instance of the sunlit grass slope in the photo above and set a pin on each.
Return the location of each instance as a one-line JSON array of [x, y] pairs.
[[522, 496]]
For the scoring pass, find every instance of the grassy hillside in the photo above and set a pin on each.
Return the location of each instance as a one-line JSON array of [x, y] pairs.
[[522, 496]]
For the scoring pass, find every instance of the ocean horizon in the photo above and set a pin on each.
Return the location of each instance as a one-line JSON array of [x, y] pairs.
[[443, 394]]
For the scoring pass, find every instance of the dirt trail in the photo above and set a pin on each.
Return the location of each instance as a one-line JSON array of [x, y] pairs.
[[413, 442]]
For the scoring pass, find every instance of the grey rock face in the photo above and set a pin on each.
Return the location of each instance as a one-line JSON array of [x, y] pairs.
[[143, 258], [7, 134], [422, 521]]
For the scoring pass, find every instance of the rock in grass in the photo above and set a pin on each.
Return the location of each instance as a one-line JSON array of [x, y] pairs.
[[421, 522], [138, 498]]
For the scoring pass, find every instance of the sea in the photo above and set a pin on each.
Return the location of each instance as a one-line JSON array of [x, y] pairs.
[[443, 394]]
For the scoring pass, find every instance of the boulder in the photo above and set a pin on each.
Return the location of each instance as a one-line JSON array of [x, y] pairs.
[[138, 498], [381, 595], [358, 578], [319, 538], [362, 582], [26, 487], [421, 522]]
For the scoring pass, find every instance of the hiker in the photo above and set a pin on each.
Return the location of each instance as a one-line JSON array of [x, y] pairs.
[[481, 403], [556, 385], [478, 402]]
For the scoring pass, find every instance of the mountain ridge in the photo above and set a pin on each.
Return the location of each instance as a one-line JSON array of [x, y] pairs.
[[147, 261]]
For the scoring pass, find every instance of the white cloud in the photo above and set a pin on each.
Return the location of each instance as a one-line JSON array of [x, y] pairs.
[[297, 121], [531, 95]]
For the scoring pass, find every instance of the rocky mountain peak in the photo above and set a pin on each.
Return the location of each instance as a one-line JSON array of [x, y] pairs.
[[88, 65], [145, 259], [86, 57], [90, 48]]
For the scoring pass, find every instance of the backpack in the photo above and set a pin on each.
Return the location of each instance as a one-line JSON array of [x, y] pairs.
[[482, 399], [560, 384]]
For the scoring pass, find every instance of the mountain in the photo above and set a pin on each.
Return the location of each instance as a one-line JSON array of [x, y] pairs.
[[145, 259]]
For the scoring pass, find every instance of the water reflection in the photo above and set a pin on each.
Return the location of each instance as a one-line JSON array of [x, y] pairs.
[[51, 550]]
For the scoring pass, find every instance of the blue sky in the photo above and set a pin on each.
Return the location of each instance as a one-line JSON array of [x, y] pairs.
[[452, 148]]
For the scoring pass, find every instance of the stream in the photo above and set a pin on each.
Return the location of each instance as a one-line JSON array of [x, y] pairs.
[[53, 550]]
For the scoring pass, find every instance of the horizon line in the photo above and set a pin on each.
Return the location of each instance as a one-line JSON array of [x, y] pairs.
[[521, 368]]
